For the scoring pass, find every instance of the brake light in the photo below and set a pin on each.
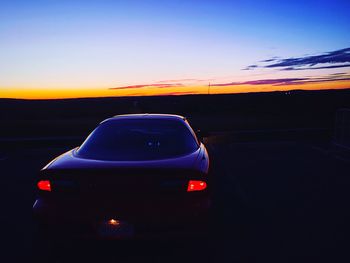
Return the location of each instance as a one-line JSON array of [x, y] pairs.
[[44, 185], [194, 185]]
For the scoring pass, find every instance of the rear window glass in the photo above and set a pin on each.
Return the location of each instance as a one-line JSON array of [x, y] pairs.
[[131, 140]]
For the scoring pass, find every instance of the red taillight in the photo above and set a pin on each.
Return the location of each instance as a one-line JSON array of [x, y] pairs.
[[44, 185], [196, 185]]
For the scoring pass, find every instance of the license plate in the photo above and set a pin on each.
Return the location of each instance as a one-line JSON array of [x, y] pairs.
[[120, 230]]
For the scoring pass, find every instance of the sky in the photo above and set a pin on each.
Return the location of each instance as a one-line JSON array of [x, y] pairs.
[[67, 49]]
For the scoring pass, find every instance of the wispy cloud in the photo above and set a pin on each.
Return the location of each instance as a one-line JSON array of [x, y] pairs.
[[334, 59], [261, 82], [251, 67], [324, 67], [184, 80], [155, 85], [164, 84], [338, 73], [288, 81], [140, 93]]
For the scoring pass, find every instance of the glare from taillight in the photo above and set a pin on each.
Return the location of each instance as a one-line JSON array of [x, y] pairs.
[[194, 185], [44, 185]]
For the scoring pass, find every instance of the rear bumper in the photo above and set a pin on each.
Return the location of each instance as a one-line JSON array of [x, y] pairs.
[[166, 219]]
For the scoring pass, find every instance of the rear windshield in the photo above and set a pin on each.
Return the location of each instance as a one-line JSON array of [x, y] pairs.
[[131, 140]]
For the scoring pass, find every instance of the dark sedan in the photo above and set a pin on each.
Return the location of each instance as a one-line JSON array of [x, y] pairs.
[[135, 175]]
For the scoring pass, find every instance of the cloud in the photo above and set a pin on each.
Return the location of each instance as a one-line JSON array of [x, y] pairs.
[[325, 67], [183, 80], [315, 80], [155, 85], [261, 82], [334, 59], [251, 67], [136, 94], [287, 81], [338, 73], [270, 59]]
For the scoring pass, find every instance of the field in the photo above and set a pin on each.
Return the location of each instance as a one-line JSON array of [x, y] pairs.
[[281, 189]]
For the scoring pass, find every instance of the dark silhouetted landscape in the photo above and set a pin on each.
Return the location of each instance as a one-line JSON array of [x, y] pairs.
[[281, 177]]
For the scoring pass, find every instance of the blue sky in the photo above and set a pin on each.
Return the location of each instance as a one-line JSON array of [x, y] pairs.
[[104, 44]]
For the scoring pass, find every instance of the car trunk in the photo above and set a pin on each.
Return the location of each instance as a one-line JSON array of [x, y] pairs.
[[137, 195]]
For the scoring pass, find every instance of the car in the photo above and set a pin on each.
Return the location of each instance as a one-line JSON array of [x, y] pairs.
[[135, 175]]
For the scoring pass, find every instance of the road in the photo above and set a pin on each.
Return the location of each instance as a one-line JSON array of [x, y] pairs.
[[274, 202]]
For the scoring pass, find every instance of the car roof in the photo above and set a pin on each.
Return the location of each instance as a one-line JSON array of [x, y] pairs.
[[146, 116]]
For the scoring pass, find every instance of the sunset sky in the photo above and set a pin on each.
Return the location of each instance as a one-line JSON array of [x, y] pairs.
[[82, 48]]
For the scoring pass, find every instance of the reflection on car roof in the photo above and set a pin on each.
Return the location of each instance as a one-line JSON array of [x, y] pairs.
[[146, 116]]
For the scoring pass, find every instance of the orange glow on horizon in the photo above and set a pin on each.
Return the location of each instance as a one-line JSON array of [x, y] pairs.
[[21, 93]]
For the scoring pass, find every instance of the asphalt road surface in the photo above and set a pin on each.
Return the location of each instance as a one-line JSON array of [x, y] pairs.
[[274, 201]]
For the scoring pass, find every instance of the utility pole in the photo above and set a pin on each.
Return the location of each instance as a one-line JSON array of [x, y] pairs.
[[209, 88]]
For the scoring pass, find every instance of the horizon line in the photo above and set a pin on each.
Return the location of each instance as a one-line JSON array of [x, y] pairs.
[[179, 94]]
